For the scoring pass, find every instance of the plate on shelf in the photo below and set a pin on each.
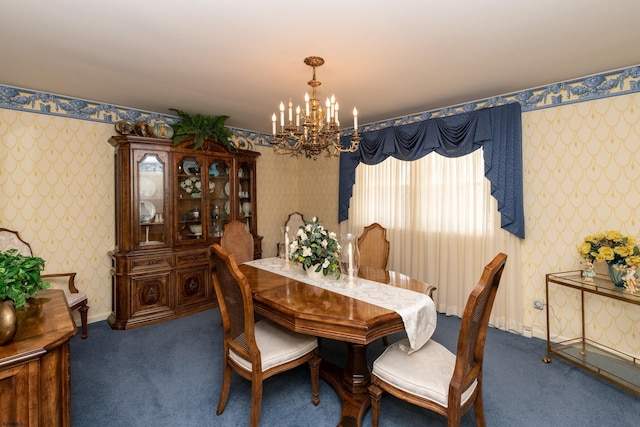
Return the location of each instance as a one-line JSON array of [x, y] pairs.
[[226, 207], [143, 129], [162, 130], [123, 127], [190, 167], [147, 187], [147, 211], [227, 190]]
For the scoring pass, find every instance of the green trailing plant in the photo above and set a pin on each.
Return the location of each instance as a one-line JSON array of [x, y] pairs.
[[20, 276], [201, 127]]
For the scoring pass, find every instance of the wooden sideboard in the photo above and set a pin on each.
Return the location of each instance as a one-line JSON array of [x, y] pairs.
[[35, 387]]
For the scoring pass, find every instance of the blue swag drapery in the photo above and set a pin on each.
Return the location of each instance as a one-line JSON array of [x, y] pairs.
[[498, 130]]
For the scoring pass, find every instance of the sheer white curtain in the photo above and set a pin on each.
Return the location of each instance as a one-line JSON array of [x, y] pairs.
[[444, 227]]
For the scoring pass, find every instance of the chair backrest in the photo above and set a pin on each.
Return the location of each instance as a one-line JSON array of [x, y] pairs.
[[294, 222], [237, 240], [235, 301], [374, 246], [10, 239], [473, 330]]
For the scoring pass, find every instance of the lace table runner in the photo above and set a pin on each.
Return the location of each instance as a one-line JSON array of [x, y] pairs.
[[417, 310]]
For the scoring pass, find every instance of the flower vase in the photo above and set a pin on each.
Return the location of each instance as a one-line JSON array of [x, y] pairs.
[[8, 321], [617, 272], [312, 273]]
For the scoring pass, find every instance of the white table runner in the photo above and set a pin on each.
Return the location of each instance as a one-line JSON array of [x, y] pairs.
[[417, 310]]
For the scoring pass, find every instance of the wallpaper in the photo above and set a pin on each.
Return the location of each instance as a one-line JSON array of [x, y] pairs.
[[56, 187], [581, 176]]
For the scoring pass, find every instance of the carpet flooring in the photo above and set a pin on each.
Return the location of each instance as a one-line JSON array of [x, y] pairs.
[[170, 374]]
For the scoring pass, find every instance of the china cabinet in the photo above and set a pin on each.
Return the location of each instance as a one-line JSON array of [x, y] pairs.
[[172, 203]]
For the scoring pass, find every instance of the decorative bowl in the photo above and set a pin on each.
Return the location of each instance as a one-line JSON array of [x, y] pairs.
[[196, 228]]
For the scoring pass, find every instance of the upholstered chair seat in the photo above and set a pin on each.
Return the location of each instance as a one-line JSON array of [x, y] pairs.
[[277, 345], [425, 373]]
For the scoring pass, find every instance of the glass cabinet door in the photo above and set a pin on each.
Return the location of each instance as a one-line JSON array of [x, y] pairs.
[[246, 196], [150, 188], [189, 199], [220, 199]]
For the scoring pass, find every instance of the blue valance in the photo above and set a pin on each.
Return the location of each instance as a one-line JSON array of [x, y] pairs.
[[497, 130]]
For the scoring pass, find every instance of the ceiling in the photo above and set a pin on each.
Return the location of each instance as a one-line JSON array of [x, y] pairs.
[[241, 58]]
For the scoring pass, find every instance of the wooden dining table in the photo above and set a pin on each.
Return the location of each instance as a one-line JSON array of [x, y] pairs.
[[311, 310]]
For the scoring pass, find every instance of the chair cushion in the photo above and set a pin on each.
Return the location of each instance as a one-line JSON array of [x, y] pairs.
[[425, 373], [74, 298], [277, 345]]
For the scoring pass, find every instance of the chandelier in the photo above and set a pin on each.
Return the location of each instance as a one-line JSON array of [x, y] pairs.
[[315, 131]]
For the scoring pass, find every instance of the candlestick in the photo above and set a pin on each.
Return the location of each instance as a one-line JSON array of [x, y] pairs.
[[350, 252]]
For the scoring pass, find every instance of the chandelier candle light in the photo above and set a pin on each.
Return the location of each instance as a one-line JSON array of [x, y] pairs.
[[317, 130]]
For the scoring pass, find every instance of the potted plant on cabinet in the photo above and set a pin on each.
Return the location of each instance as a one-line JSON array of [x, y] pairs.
[[19, 280], [201, 127]]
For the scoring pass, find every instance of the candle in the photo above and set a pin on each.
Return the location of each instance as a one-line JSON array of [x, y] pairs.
[[350, 252], [306, 103], [273, 122], [290, 111], [355, 119], [328, 103], [281, 114], [336, 115], [298, 116]]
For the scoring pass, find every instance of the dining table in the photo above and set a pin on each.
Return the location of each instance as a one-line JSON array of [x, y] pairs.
[[354, 310]]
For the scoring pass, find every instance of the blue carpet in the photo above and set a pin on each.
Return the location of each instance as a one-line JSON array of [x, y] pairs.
[[170, 374]]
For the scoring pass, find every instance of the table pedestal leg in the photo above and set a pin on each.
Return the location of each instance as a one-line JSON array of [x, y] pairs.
[[351, 384]]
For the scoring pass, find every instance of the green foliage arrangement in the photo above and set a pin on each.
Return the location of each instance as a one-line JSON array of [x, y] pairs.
[[201, 127], [20, 276]]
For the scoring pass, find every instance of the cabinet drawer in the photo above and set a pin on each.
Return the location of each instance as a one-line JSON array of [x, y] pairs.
[[191, 257], [148, 263]]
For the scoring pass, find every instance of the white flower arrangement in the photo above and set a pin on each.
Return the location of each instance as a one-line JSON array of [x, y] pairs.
[[314, 246]]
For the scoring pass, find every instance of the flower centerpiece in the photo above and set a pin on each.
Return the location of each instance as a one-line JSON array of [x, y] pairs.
[[620, 252], [316, 249]]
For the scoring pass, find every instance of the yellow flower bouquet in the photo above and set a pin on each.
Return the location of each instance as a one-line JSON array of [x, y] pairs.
[[620, 252]]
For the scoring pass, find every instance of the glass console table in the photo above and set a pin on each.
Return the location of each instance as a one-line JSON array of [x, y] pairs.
[[618, 367]]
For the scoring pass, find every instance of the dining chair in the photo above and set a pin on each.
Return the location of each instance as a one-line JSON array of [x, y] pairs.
[[374, 246], [237, 240], [433, 377], [256, 351], [76, 300], [294, 222]]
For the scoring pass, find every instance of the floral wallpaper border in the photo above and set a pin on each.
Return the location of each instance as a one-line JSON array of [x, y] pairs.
[[612, 83]]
